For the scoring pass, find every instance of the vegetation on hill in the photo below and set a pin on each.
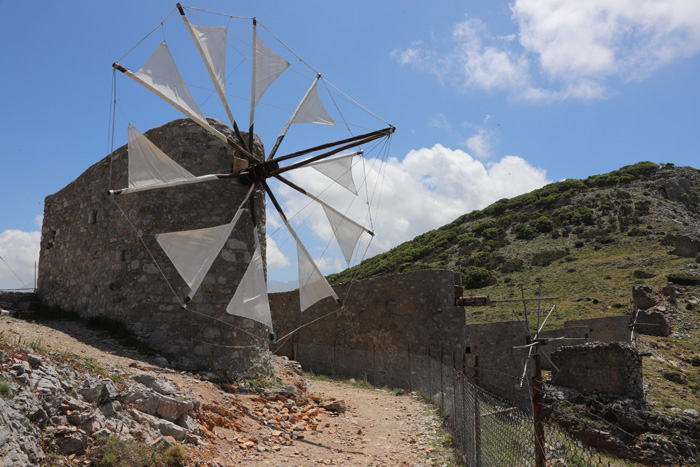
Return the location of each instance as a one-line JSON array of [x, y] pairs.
[[586, 242], [573, 239]]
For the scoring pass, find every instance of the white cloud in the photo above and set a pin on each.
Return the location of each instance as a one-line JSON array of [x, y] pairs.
[[480, 144], [596, 38], [440, 122], [19, 252], [565, 49], [427, 189], [274, 257]]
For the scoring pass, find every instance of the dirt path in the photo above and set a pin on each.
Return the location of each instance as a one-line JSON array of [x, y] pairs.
[[378, 428]]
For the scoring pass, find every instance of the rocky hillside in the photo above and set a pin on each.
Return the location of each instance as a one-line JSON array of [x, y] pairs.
[[587, 243], [584, 241]]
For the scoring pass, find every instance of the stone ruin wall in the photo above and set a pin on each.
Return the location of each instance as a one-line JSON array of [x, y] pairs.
[[385, 321], [93, 260], [390, 324], [613, 368]]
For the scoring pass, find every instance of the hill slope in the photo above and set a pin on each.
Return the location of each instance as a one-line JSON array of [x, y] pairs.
[[587, 242], [578, 238]]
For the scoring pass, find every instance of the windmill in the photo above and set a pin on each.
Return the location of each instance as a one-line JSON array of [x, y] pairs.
[[192, 252]]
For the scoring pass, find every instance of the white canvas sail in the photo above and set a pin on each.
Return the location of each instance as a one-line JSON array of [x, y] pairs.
[[312, 285], [250, 300], [267, 67], [211, 43], [192, 252], [149, 167], [338, 169], [160, 75], [311, 110], [346, 231]]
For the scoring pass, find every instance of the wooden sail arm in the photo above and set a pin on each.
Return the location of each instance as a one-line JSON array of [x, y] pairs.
[[373, 135], [230, 141], [219, 91], [306, 193], [286, 222], [369, 137], [291, 119]]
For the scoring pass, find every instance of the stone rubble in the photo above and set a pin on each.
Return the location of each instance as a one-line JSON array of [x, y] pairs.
[[54, 408]]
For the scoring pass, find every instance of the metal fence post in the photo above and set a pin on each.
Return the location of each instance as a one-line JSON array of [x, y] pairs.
[[537, 414]]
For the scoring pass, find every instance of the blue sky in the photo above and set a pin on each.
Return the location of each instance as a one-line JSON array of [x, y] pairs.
[[490, 99]]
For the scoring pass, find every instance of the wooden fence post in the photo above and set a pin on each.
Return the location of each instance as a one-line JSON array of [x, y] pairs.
[[537, 412]]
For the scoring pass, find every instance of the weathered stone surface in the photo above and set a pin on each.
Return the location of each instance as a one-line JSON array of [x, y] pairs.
[[154, 403], [686, 246], [381, 317], [652, 323], [154, 382], [93, 262], [32, 420], [596, 368]]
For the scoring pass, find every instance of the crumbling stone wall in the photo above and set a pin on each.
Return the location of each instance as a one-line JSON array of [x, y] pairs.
[[600, 368], [686, 246], [499, 349], [606, 329], [651, 309], [99, 255], [384, 321]]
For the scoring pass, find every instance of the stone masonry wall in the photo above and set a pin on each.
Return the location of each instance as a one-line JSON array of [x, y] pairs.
[[93, 259], [596, 368], [498, 348], [385, 320]]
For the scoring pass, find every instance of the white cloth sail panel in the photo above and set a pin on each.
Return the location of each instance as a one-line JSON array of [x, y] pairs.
[[212, 43], [267, 67], [311, 110], [346, 231], [161, 75], [149, 167], [338, 169], [312, 285], [250, 300], [192, 252]]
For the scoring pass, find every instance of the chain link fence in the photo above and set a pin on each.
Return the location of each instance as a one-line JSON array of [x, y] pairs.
[[487, 430]]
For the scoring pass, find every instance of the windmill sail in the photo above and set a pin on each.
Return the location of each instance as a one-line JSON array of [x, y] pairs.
[[267, 67], [311, 110], [160, 75], [211, 43], [250, 300], [346, 231], [192, 252], [338, 169], [149, 167], [312, 285]]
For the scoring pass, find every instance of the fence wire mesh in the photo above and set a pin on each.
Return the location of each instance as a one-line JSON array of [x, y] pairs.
[[487, 430]]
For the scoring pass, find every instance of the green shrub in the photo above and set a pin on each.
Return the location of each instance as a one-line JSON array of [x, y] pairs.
[[5, 388], [545, 258], [474, 277], [524, 232], [675, 376], [543, 224], [512, 265], [683, 278], [479, 228]]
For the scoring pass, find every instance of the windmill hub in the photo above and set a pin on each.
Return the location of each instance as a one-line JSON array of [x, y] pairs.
[[259, 171]]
